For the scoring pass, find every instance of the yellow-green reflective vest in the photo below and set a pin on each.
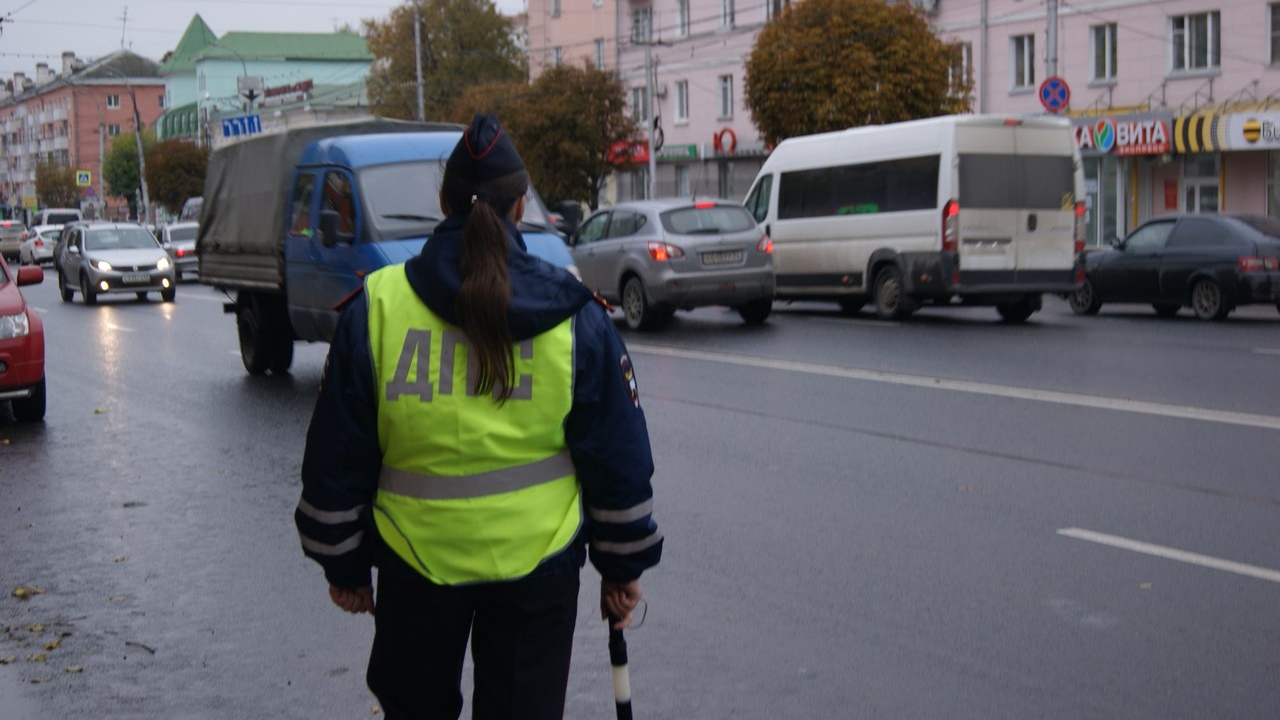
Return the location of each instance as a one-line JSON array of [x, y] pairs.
[[470, 490]]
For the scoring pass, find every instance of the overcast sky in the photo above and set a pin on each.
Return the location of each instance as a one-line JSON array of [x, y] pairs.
[[33, 31]]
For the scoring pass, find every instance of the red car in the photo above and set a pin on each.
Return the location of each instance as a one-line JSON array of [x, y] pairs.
[[21, 345]]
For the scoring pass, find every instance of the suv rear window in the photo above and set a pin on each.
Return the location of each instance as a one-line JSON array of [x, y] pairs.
[[60, 218], [708, 220]]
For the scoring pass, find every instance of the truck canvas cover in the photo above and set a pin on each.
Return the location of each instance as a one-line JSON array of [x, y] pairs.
[[246, 200]]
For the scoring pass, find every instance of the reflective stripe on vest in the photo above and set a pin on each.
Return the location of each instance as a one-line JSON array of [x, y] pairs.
[[470, 490]]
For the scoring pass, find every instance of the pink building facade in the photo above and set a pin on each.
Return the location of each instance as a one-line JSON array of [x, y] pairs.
[[1176, 103], [683, 62], [70, 119]]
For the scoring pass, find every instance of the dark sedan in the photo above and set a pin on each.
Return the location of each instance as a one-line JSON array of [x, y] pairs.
[[1212, 263]]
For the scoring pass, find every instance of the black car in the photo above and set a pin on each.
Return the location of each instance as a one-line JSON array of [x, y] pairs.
[[1212, 263]]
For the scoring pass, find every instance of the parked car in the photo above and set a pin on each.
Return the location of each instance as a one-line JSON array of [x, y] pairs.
[[21, 345], [654, 257], [191, 209], [37, 249], [96, 258], [1212, 263], [179, 239], [56, 216], [12, 233]]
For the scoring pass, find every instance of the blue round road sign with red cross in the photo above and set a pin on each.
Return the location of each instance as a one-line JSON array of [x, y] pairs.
[[1055, 95]]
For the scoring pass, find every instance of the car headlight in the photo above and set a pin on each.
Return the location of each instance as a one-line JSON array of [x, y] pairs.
[[14, 326], [163, 264], [102, 265]]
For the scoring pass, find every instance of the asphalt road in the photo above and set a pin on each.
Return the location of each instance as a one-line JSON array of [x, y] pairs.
[[946, 517]]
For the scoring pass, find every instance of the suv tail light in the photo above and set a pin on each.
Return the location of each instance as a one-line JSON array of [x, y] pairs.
[[1080, 227], [1248, 263], [951, 226], [663, 252], [765, 245]]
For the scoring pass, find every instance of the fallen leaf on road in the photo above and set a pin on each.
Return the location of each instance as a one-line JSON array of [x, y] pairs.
[[74, 669], [36, 657], [4, 441], [38, 627], [38, 680], [116, 598], [53, 645], [99, 411], [8, 659], [118, 559], [26, 592]]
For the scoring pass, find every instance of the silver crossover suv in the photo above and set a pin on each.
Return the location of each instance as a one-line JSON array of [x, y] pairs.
[[102, 257], [654, 257]]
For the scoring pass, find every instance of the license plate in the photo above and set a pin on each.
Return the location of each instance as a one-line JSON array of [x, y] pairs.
[[133, 278], [724, 257]]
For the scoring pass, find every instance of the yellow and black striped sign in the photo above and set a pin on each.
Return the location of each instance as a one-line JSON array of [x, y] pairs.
[[1199, 133]]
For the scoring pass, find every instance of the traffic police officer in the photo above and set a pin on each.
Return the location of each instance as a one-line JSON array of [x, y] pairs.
[[478, 435]]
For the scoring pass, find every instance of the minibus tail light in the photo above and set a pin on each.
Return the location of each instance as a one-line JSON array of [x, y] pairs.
[[951, 226], [1080, 227]]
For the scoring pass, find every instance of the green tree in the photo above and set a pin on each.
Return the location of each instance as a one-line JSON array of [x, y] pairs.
[[464, 43], [175, 172], [120, 169], [564, 126], [827, 65], [56, 186]]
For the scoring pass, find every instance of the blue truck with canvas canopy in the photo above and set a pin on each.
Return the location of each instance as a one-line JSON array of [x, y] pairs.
[[291, 223]]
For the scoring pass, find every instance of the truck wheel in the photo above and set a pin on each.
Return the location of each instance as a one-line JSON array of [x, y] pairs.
[[282, 358], [31, 409], [255, 344], [892, 302]]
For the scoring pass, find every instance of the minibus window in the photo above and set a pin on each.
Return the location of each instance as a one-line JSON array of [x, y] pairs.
[[1043, 182], [869, 188]]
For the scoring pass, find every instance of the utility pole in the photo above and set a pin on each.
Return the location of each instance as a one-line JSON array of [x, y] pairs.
[[1051, 39], [417, 57], [145, 216], [649, 119]]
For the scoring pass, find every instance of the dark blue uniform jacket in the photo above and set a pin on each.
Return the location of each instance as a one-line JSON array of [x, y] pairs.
[[605, 428]]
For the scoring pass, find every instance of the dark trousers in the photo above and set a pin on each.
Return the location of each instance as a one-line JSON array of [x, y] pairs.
[[521, 641]]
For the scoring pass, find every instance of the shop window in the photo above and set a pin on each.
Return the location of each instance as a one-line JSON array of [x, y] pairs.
[[1195, 42], [1022, 62], [682, 181], [1200, 183], [1104, 52]]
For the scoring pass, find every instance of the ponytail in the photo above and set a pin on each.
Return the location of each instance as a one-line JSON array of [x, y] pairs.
[[485, 292]]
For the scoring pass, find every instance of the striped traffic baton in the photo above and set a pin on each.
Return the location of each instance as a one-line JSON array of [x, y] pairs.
[[621, 677]]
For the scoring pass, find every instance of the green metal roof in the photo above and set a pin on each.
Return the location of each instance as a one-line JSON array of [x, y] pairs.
[[194, 40], [288, 46]]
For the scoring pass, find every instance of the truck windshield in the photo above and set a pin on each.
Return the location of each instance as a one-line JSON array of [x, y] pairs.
[[404, 200]]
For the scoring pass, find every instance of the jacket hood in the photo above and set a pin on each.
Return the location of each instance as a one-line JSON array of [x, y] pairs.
[[542, 295]]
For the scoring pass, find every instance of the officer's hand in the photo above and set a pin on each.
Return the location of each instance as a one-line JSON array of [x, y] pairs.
[[353, 600], [617, 600]]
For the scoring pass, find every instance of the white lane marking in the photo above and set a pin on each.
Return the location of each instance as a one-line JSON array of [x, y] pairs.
[[1186, 412], [121, 328], [1173, 554], [1267, 351]]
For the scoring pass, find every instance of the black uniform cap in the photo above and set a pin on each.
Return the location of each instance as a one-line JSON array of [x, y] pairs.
[[484, 152]]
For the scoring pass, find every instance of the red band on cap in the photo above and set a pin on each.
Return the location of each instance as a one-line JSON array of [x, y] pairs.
[[467, 139]]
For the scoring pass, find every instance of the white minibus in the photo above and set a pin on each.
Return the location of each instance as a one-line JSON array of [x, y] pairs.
[[962, 209]]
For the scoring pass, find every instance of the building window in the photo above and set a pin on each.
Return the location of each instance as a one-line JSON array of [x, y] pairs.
[[641, 25], [162, 103], [113, 130], [682, 18], [1022, 61], [682, 181], [772, 9], [961, 68], [639, 104], [682, 101], [599, 47], [557, 56], [725, 110], [1275, 33], [1195, 42], [555, 8], [726, 13], [1104, 52], [113, 102]]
